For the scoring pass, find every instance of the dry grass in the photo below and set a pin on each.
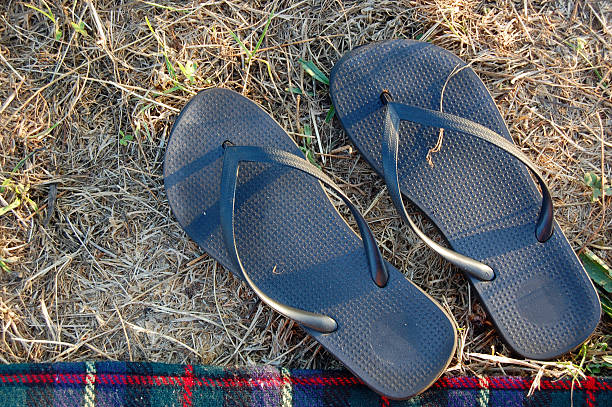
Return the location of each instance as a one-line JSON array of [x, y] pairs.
[[104, 272]]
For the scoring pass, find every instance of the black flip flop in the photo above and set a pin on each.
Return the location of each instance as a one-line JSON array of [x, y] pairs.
[[240, 187], [392, 99]]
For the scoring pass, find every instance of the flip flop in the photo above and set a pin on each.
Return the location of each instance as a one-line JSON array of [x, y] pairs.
[[392, 99], [241, 188]]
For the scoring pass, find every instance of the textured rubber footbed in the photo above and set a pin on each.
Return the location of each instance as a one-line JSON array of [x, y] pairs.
[[482, 199], [299, 250]]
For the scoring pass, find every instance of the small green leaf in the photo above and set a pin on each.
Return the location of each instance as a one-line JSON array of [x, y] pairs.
[[594, 368], [594, 181], [80, 27], [307, 130], [313, 71], [310, 156], [606, 304], [596, 194], [4, 266], [330, 114], [299, 91], [10, 206], [58, 34], [188, 70], [125, 138], [590, 179], [599, 271], [30, 202], [191, 68]]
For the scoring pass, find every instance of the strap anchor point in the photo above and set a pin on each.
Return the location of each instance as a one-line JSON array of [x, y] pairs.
[[385, 97]]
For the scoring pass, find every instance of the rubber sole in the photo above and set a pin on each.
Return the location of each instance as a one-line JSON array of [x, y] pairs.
[[299, 250], [483, 201]]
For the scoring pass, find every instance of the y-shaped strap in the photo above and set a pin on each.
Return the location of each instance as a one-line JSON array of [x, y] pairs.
[[232, 157], [393, 114]]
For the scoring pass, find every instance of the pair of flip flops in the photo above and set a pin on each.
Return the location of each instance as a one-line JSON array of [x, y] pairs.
[[241, 189]]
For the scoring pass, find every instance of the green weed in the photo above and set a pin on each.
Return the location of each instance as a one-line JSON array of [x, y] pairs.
[[594, 181], [125, 138], [252, 53], [307, 147], [298, 91], [188, 69], [20, 195], [578, 46], [4, 266], [330, 114], [601, 274], [169, 8], [17, 167], [49, 14], [596, 362], [80, 28], [311, 69], [44, 132]]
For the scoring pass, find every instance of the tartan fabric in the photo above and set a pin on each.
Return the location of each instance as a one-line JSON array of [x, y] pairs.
[[110, 384]]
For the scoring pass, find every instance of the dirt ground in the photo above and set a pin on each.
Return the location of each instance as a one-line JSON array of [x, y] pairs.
[[94, 266]]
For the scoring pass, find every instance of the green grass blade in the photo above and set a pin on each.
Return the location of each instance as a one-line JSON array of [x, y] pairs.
[[4, 266], [23, 160], [261, 37], [599, 271], [173, 89], [308, 131], [169, 67], [310, 156], [45, 132], [31, 203], [313, 71], [150, 27], [188, 70], [150, 3], [44, 13], [606, 304], [18, 166], [10, 206], [241, 44], [295, 90], [330, 114]]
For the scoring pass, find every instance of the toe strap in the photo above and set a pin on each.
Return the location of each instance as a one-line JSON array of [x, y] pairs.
[[394, 113], [233, 156]]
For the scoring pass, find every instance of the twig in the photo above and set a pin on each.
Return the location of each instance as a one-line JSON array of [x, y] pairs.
[[98, 22], [438, 145]]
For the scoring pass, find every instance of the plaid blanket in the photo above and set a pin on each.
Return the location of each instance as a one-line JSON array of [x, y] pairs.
[[97, 384]]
